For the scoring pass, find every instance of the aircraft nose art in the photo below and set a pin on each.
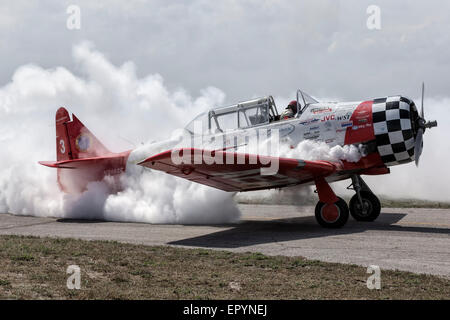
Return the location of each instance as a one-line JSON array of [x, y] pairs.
[[393, 128], [361, 129]]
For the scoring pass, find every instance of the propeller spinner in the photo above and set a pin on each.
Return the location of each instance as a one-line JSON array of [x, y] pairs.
[[422, 125]]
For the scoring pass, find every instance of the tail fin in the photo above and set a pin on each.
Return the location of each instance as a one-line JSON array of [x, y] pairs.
[[74, 140], [81, 157]]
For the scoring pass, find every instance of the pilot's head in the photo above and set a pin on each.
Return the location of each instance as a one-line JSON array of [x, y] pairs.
[[293, 106]]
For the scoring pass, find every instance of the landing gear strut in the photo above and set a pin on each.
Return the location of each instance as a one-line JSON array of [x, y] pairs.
[[331, 211], [364, 205]]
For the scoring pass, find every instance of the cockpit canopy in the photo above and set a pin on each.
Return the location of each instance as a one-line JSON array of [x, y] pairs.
[[243, 115]]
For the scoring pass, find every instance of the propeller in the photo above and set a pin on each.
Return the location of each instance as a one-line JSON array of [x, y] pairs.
[[422, 125]]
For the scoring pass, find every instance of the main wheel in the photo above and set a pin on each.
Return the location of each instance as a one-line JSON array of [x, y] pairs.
[[332, 215], [370, 208]]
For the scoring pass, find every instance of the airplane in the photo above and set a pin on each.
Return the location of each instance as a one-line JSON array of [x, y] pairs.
[[386, 131]]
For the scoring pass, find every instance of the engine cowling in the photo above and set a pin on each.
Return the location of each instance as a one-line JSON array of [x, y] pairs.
[[395, 128]]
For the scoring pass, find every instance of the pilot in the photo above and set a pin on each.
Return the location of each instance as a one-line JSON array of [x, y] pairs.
[[290, 110]]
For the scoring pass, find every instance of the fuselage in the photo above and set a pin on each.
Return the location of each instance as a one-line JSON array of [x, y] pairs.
[[384, 128]]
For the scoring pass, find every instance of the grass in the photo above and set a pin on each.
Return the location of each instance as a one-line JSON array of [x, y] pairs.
[[413, 203], [35, 268]]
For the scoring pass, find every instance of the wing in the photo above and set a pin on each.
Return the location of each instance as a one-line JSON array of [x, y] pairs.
[[230, 171]]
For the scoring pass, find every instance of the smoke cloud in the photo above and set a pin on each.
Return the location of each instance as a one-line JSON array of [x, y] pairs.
[[317, 150], [118, 108]]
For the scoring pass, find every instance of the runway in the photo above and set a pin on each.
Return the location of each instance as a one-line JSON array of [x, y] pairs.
[[409, 239]]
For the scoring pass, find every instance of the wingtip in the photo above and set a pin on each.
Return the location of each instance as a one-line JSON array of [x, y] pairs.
[[50, 164]]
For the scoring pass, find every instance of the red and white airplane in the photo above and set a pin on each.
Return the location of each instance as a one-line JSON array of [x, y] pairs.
[[387, 131]]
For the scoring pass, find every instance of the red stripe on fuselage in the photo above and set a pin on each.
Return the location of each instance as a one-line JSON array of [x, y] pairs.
[[362, 128]]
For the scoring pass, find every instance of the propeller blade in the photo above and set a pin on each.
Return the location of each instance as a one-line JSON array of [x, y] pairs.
[[418, 146], [423, 93]]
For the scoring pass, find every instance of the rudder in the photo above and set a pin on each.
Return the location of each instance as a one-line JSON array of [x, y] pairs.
[[74, 140]]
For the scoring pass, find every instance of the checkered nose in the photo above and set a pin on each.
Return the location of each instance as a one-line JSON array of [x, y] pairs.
[[395, 126]]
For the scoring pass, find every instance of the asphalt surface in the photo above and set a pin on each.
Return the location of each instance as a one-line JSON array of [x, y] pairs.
[[410, 239]]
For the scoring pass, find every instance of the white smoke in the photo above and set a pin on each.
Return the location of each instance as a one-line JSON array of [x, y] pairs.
[[118, 107], [318, 150], [303, 194]]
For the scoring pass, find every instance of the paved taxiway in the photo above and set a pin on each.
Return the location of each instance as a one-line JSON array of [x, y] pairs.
[[410, 239]]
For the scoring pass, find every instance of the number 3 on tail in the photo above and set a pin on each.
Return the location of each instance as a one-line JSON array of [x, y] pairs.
[[63, 147]]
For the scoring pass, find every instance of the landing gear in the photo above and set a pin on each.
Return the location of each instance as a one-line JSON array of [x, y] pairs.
[[333, 215], [364, 205], [331, 211]]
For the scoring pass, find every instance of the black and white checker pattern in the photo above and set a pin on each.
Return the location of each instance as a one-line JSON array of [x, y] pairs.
[[393, 130]]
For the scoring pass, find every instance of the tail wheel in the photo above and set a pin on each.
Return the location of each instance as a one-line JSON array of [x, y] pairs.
[[370, 208], [333, 215]]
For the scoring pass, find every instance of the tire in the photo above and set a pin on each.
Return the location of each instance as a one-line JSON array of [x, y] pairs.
[[332, 217], [372, 203]]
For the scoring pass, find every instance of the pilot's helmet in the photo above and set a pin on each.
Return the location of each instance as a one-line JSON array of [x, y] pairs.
[[293, 106]]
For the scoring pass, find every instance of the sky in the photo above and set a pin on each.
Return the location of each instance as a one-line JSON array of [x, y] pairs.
[[245, 48]]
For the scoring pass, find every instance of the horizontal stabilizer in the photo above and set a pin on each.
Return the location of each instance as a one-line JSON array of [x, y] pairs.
[[80, 163]]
